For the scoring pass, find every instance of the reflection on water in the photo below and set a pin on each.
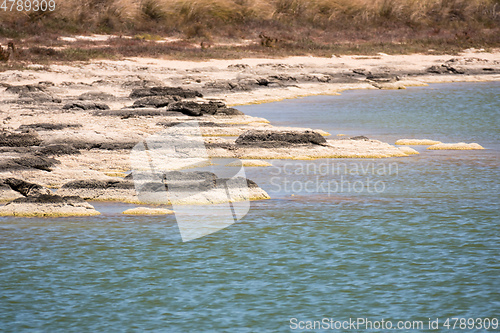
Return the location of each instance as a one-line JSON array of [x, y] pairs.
[[426, 246]]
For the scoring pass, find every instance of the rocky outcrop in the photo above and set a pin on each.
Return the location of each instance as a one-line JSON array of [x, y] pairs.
[[165, 91], [445, 69], [25, 88], [96, 96], [16, 139], [131, 113], [58, 150], [39, 201], [35, 97], [196, 109], [154, 101], [7, 193], [49, 126], [26, 188], [101, 190], [271, 138], [48, 206], [86, 106], [28, 162]]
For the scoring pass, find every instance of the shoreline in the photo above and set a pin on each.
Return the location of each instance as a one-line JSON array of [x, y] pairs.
[[75, 125]]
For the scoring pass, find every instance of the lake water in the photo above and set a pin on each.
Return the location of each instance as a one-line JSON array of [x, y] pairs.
[[399, 239]]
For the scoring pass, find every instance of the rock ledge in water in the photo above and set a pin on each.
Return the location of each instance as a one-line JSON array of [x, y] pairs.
[[265, 138], [48, 206], [40, 202], [455, 146]]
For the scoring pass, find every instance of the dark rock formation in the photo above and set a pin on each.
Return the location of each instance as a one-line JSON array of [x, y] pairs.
[[154, 101], [229, 112], [96, 96], [132, 113], [360, 137], [48, 205], [26, 188], [28, 162], [382, 77], [268, 139], [14, 139], [165, 91], [444, 69], [233, 85], [25, 88], [48, 126], [98, 184], [197, 109], [34, 97], [191, 108], [86, 106], [58, 150]]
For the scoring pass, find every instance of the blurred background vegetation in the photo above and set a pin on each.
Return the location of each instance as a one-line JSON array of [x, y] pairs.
[[296, 26]]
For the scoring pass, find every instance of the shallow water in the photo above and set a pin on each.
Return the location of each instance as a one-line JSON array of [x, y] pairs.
[[424, 243]]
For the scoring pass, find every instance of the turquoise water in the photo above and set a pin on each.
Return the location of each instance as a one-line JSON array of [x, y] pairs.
[[424, 245]]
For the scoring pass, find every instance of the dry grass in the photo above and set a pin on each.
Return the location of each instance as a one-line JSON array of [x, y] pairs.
[[299, 26]]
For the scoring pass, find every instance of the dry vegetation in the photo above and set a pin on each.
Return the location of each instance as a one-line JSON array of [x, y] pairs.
[[319, 27]]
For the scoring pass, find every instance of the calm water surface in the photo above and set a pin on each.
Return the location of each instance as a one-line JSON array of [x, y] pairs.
[[422, 244]]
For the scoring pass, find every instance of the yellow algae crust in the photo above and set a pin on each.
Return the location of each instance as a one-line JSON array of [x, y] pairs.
[[455, 146]]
